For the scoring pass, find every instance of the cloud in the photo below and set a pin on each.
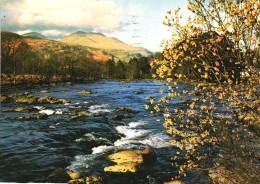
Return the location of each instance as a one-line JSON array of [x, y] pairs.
[[57, 17]]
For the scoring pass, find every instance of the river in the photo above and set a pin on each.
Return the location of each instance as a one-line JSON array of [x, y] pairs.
[[33, 150]]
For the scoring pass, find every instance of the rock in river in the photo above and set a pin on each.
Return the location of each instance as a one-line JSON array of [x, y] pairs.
[[87, 180], [37, 116], [82, 114], [121, 108], [22, 109], [130, 161], [26, 98], [49, 99], [174, 182], [86, 92]]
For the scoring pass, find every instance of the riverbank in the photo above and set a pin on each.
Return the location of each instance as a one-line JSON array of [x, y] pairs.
[[11, 82]]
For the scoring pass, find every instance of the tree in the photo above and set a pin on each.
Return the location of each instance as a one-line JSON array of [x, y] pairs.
[[120, 70], [219, 126], [9, 45], [111, 65], [132, 69], [144, 67]]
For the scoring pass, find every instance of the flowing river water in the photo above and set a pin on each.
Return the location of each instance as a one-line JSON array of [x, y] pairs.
[[32, 150]]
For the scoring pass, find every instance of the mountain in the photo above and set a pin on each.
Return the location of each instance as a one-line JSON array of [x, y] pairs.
[[100, 41], [34, 35], [46, 47]]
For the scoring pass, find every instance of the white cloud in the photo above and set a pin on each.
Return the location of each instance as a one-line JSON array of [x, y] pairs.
[[54, 33], [23, 32], [103, 15]]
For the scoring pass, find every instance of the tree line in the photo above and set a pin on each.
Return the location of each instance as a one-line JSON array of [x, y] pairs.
[[20, 59]]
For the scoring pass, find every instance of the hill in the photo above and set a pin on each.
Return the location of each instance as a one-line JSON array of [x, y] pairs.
[[100, 41], [46, 46], [6, 35], [34, 35]]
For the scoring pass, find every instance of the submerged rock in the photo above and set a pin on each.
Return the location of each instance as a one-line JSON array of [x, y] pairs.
[[139, 92], [130, 161], [37, 116], [86, 92]]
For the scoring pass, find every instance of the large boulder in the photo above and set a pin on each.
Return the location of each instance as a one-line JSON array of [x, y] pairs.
[[126, 156], [130, 161]]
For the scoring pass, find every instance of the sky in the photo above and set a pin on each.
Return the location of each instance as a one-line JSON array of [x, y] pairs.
[[135, 22]]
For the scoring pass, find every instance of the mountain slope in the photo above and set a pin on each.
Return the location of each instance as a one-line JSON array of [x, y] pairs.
[[47, 47], [34, 35], [6, 35], [100, 41]]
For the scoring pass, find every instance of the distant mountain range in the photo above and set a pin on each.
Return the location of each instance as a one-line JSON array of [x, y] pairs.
[[95, 45]]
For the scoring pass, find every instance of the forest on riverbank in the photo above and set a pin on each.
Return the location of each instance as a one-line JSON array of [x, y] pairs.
[[47, 61]]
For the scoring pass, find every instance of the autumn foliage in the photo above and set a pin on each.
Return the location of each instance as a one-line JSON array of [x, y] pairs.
[[218, 124]]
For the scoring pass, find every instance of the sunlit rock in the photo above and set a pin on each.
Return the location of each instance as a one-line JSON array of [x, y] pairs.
[[82, 114], [86, 92], [44, 91], [26, 99], [130, 161], [37, 116], [123, 167], [87, 180], [174, 182], [121, 108], [127, 156], [22, 109]]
